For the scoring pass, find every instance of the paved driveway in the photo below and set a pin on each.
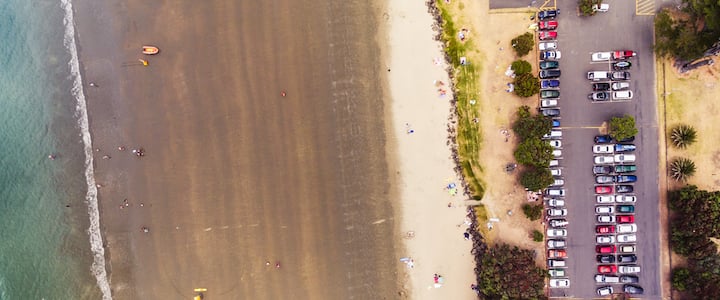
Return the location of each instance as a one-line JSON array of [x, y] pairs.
[[578, 37]]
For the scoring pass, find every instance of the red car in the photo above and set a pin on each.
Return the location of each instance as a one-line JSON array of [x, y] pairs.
[[548, 25], [604, 269], [605, 229], [603, 189], [625, 219], [623, 54], [560, 253], [547, 35], [605, 249]]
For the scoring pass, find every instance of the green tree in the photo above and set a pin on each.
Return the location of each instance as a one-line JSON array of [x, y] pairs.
[[527, 126], [682, 168], [586, 6], [622, 127], [526, 85], [533, 211], [523, 43], [666, 34], [535, 179], [538, 236], [679, 278], [521, 66], [683, 136], [506, 272], [534, 152]]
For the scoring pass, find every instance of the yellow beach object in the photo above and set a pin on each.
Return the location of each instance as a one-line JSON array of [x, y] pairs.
[[144, 62]]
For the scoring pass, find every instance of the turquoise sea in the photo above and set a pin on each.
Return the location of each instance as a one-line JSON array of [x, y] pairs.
[[45, 207]]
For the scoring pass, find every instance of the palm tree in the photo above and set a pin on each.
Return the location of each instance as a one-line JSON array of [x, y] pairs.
[[683, 135], [682, 168]]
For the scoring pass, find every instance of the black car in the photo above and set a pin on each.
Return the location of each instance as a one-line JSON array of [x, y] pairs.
[[599, 170], [633, 289], [550, 112], [624, 189], [627, 258], [548, 14], [624, 75], [629, 279], [545, 74], [600, 87], [627, 140], [602, 139], [621, 65], [605, 259]]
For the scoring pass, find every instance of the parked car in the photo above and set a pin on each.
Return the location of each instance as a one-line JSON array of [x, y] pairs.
[[557, 153], [625, 209], [627, 249], [544, 94], [626, 219], [553, 134], [621, 65], [623, 54], [555, 143], [602, 86], [602, 179], [556, 272], [624, 147], [548, 14], [604, 160], [556, 244], [556, 232], [548, 74], [627, 258], [633, 289], [624, 189], [601, 56], [555, 123], [629, 279], [554, 163], [557, 212], [598, 75], [626, 238], [605, 229], [559, 283], [606, 219], [605, 199], [622, 85], [599, 96], [622, 95], [548, 103], [556, 172], [547, 35], [605, 269], [603, 189], [553, 112], [620, 75], [547, 46], [605, 239], [547, 25], [549, 83], [603, 139], [604, 209], [556, 263], [599, 170], [600, 278], [627, 140], [558, 223], [624, 158], [557, 253], [604, 259], [605, 291], [625, 228], [556, 202], [625, 168], [629, 269], [625, 178], [605, 249], [549, 64], [550, 55], [625, 199], [603, 149]]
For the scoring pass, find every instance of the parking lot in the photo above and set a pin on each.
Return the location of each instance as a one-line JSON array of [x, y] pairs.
[[578, 37]]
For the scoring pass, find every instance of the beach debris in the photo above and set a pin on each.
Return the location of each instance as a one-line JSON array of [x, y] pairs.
[[510, 167], [472, 101], [410, 234], [106, 157], [121, 148], [463, 60], [409, 262], [93, 84], [511, 88], [408, 128], [144, 62], [199, 293]]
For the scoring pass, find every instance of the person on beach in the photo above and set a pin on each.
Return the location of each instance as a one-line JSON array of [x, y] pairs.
[[93, 84], [51, 156], [283, 93]]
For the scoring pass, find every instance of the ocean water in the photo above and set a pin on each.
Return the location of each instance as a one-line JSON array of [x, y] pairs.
[[46, 210]]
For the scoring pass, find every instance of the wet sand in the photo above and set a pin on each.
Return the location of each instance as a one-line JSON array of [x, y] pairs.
[[234, 173]]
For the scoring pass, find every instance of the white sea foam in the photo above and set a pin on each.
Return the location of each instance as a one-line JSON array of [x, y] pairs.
[[96, 242]]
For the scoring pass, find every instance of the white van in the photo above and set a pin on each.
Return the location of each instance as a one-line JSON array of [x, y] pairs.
[[598, 75], [622, 95], [554, 134], [556, 263], [599, 278]]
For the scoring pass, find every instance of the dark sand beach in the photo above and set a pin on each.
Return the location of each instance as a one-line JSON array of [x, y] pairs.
[[235, 174]]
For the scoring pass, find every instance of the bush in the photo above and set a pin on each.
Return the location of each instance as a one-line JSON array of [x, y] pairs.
[[682, 168], [679, 277], [506, 272], [528, 126], [523, 44], [526, 85], [683, 136], [521, 67], [538, 236], [533, 211], [586, 6], [622, 127], [535, 179], [534, 152]]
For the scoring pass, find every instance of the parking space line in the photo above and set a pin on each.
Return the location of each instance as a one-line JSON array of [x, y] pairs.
[[583, 127], [546, 7], [645, 7]]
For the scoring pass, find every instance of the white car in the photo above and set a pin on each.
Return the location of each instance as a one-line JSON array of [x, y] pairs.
[[605, 199], [559, 283], [629, 269], [555, 192], [557, 212], [600, 278], [604, 160], [626, 228], [601, 56], [624, 158], [604, 209], [556, 172], [556, 202], [549, 103], [626, 249], [606, 219], [557, 153], [558, 182], [622, 95], [554, 163], [552, 232], [625, 199], [556, 272], [556, 244], [605, 239], [554, 134], [605, 291], [558, 223], [555, 143], [626, 238], [616, 86], [547, 46], [603, 149]]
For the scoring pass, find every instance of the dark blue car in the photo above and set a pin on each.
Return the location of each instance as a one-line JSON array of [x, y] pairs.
[[603, 139], [625, 178], [549, 83], [548, 14]]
